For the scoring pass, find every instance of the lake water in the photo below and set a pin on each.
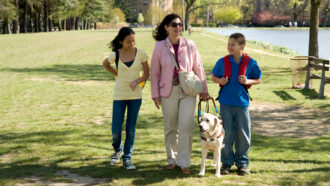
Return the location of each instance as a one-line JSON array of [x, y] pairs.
[[295, 39]]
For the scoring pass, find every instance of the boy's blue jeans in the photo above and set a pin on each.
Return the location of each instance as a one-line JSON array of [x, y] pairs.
[[118, 113], [237, 125]]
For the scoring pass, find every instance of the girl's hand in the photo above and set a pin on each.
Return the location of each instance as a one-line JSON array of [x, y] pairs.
[[133, 85]]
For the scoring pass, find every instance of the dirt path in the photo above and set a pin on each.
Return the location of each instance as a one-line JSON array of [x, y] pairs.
[[288, 121]]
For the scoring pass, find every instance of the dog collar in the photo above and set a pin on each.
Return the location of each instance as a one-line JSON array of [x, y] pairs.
[[205, 139]]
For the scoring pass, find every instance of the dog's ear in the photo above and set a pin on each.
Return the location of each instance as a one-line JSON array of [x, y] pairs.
[[215, 123]]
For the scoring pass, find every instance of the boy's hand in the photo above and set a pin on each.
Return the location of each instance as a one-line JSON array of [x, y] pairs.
[[243, 80], [224, 81]]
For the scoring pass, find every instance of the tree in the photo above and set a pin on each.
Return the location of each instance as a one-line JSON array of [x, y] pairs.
[[192, 5], [16, 23], [325, 11], [228, 15], [140, 19], [298, 7], [92, 12], [313, 49], [154, 15], [247, 10], [7, 14]]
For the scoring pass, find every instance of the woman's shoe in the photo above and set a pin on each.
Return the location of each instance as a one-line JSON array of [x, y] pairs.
[[170, 166], [185, 170]]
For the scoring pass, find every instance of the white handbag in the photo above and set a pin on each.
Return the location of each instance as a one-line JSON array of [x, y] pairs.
[[189, 81]]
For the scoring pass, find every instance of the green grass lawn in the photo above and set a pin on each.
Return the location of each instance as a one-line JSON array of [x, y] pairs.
[[56, 105]]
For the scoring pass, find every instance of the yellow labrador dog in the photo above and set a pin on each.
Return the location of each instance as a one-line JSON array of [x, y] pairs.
[[212, 135]]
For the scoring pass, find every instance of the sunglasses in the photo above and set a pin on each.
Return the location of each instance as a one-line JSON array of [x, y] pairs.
[[174, 24]]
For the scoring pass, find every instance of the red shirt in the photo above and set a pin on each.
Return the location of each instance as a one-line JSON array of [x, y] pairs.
[[176, 74]]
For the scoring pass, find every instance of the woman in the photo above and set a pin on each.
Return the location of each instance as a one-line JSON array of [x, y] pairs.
[[127, 93], [178, 108]]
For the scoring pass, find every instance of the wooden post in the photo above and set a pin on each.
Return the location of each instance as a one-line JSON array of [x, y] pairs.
[[321, 92], [308, 74]]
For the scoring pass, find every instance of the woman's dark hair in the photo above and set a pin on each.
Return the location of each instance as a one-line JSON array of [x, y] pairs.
[[160, 33], [115, 45]]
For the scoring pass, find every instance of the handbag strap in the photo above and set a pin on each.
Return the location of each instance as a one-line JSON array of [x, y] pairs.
[[172, 57]]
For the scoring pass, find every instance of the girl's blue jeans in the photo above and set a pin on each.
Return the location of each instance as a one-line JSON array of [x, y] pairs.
[[237, 125], [118, 113]]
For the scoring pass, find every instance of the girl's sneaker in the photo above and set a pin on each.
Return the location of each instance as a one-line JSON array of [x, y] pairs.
[[128, 165], [115, 158]]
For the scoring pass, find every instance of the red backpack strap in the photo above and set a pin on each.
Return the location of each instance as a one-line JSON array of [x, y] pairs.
[[227, 73], [243, 66]]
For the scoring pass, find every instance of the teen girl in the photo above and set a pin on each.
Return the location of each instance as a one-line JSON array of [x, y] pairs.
[[127, 92]]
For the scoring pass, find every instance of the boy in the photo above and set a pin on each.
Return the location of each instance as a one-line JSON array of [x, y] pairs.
[[235, 73]]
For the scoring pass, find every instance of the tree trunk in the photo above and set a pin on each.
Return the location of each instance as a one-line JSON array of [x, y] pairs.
[[39, 20], [76, 26], [50, 26], [95, 26], [3, 27], [7, 27], [16, 26], [87, 25], [313, 49], [46, 16], [64, 24], [59, 24], [25, 17]]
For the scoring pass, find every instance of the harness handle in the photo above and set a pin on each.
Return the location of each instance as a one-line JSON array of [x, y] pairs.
[[199, 115]]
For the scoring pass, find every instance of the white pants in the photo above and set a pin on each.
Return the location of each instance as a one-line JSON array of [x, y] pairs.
[[178, 112]]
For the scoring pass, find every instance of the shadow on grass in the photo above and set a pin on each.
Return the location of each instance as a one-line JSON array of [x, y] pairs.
[[279, 144], [69, 155], [284, 95], [309, 93], [68, 72]]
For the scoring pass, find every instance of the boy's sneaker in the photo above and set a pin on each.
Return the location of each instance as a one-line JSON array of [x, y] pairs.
[[115, 158], [128, 165], [225, 169], [243, 171]]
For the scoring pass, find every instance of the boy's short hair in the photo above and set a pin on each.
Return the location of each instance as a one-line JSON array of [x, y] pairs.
[[239, 37]]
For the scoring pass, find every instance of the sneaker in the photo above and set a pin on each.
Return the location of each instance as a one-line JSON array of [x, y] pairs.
[[115, 158], [243, 171], [225, 169], [128, 165]]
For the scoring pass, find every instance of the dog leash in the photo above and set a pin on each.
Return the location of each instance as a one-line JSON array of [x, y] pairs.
[[199, 114]]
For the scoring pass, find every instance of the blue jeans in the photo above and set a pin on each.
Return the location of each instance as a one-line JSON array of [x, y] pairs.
[[237, 125], [118, 113]]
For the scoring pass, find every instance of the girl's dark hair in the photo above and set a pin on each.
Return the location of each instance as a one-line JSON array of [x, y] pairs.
[[115, 45], [160, 33]]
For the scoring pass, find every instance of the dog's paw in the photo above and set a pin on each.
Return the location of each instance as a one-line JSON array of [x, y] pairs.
[[218, 175], [201, 174]]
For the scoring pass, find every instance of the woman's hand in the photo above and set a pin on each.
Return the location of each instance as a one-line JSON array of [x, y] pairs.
[[133, 85], [157, 102], [204, 96]]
